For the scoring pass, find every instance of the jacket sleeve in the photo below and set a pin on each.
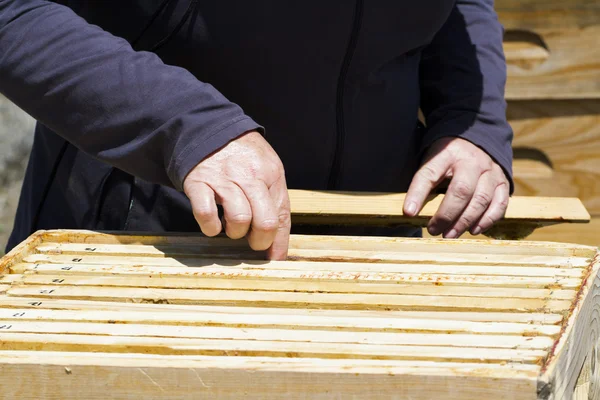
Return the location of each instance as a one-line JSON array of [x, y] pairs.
[[123, 107], [462, 79]]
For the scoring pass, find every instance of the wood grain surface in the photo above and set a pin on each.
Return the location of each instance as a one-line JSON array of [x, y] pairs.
[[188, 317]]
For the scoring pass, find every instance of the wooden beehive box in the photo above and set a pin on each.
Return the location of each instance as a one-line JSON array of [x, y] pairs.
[[553, 93], [87, 315]]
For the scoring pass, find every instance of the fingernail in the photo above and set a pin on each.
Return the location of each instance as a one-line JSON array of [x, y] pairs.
[[452, 234], [477, 230], [411, 208]]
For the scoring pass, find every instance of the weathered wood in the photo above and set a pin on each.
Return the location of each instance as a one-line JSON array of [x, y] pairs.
[[173, 241], [75, 375], [547, 14], [566, 137], [566, 68], [568, 134], [149, 316], [551, 48]]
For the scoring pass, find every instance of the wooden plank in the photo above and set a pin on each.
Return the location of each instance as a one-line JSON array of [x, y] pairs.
[[185, 346], [524, 169], [349, 207], [341, 270], [568, 134], [524, 54], [538, 15], [282, 335], [560, 58], [401, 323], [204, 377], [330, 285], [348, 257], [168, 241], [568, 70], [291, 299], [33, 303], [355, 277], [203, 246]]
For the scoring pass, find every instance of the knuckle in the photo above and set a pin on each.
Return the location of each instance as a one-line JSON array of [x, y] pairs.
[[487, 222], [462, 190], [503, 203], [278, 165], [428, 172], [266, 225], [239, 219], [204, 212], [481, 199], [285, 220], [465, 221]]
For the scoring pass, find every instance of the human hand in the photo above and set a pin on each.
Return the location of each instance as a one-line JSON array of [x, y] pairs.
[[477, 195], [247, 178]]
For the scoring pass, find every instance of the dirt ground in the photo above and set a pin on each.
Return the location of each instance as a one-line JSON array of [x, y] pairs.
[[16, 137]]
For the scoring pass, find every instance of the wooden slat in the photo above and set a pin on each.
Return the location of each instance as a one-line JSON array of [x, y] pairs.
[[267, 276], [279, 321], [210, 347], [305, 286], [348, 207], [203, 246], [83, 305], [175, 241], [299, 281], [291, 299], [282, 335], [347, 257], [343, 270]]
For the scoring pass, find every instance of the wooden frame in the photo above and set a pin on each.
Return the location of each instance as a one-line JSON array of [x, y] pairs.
[[182, 316]]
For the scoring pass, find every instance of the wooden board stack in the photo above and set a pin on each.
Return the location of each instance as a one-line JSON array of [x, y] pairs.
[[553, 92], [87, 315]]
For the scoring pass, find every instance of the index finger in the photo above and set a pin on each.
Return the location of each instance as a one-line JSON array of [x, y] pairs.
[[279, 248], [425, 180]]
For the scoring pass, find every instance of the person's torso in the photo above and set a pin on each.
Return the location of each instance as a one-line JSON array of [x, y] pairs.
[[335, 83]]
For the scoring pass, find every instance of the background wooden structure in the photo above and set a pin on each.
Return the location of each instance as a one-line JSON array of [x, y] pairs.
[[553, 90]]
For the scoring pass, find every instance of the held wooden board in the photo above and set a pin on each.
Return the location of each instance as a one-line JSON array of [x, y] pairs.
[[102, 316], [523, 215]]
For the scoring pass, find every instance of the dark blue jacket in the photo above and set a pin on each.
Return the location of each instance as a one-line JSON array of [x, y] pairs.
[[127, 104]]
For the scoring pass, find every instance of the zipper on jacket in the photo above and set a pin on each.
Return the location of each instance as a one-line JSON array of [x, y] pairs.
[[339, 144]]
